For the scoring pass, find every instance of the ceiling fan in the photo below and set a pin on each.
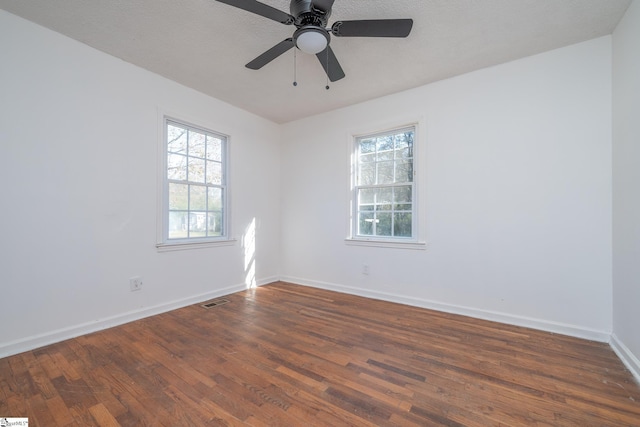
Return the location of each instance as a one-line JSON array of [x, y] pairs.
[[311, 36]]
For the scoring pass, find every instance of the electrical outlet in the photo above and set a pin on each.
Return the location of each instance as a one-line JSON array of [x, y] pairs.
[[365, 269], [135, 283]]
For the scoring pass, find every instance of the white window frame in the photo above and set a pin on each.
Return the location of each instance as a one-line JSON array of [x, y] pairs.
[[416, 241], [164, 243]]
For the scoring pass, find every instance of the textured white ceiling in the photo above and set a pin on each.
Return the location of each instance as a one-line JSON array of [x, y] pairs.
[[205, 44]]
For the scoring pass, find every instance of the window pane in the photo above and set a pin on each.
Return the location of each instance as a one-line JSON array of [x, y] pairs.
[[178, 197], [366, 199], [404, 153], [404, 171], [385, 155], [367, 158], [367, 146], [365, 224], [177, 167], [385, 172], [214, 223], [367, 174], [367, 196], [383, 224], [402, 198], [214, 199], [214, 173], [214, 148], [385, 143], [176, 139], [196, 144], [196, 170], [197, 198], [384, 198], [402, 224], [400, 141], [177, 225], [197, 224], [402, 194]]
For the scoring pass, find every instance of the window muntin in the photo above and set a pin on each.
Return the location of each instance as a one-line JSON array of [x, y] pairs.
[[384, 190], [195, 183]]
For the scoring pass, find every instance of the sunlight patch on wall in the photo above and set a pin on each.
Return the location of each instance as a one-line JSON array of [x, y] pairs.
[[249, 245]]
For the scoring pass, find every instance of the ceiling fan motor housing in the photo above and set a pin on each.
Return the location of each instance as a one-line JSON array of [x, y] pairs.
[[305, 14]]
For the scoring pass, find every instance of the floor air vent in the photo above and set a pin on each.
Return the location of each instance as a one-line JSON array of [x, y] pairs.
[[214, 303]]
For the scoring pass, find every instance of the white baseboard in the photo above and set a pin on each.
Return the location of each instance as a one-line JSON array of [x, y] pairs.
[[51, 337], [628, 358], [543, 325]]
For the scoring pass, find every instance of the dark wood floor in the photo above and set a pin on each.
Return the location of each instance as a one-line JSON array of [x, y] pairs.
[[290, 356]]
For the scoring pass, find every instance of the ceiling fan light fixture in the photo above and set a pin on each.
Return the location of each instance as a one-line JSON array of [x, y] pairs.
[[311, 40]]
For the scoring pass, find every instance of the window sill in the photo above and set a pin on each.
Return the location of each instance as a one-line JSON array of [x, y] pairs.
[[182, 246], [395, 244]]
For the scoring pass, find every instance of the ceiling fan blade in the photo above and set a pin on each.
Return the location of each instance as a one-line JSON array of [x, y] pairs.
[[330, 64], [271, 54], [261, 9], [373, 28], [323, 6]]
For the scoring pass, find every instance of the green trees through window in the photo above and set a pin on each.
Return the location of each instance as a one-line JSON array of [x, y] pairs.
[[384, 190]]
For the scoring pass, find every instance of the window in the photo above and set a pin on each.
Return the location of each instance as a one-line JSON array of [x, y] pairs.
[[195, 184], [384, 191]]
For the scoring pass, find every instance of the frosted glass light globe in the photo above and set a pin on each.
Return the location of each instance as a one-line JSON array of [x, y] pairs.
[[311, 42]]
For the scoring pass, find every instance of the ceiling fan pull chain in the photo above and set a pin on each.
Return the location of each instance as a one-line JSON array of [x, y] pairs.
[[295, 77], [327, 86]]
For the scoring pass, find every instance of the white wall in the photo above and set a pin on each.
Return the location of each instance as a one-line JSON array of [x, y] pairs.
[[626, 188], [517, 185], [79, 140]]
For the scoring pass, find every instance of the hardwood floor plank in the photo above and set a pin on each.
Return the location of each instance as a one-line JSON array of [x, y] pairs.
[[43, 417], [60, 411], [312, 382], [145, 406], [105, 390], [39, 376], [396, 370], [102, 416], [287, 355], [68, 371]]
